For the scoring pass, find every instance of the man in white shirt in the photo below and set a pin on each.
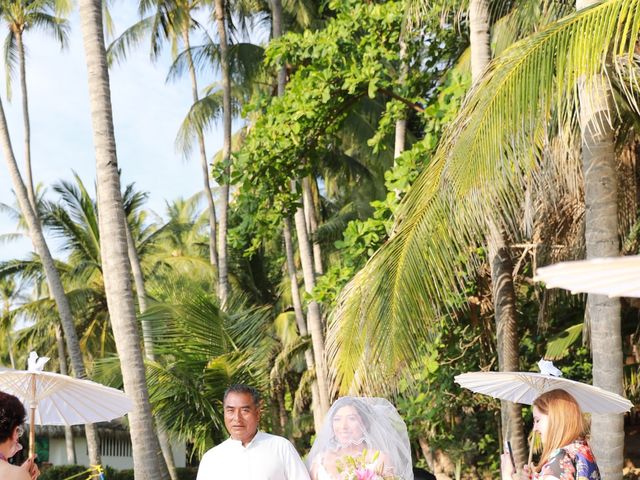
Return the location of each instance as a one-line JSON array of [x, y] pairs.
[[249, 454]]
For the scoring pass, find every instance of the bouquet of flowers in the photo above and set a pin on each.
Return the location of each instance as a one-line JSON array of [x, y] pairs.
[[363, 467]]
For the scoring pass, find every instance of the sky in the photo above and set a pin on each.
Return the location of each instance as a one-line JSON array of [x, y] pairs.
[[147, 113]]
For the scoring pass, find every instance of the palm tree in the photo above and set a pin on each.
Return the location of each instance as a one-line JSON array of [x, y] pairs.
[[56, 288], [115, 262], [504, 297], [498, 140], [201, 350], [174, 20], [602, 240], [223, 272], [20, 17]]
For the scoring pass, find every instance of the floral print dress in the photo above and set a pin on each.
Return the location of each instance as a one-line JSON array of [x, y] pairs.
[[572, 462]]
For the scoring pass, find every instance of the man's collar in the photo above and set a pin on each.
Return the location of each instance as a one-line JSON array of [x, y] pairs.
[[239, 442]]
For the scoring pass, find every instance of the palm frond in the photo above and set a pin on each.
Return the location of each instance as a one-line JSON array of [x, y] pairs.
[[10, 61], [56, 26], [558, 347], [118, 49], [203, 57], [199, 119], [528, 93]]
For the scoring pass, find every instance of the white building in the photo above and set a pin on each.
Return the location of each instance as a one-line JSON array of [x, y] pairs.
[[115, 446]]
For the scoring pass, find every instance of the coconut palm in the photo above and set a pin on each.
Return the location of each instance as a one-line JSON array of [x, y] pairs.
[[174, 20], [114, 256], [200, 352], [489, 156], [56, 288], [21, 17]]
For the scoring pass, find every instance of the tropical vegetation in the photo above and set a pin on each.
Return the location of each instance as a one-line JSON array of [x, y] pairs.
[[399, 171]]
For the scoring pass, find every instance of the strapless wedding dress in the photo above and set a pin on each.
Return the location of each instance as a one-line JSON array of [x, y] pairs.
[[323, 474]]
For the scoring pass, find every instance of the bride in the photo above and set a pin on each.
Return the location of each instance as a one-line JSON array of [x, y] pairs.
[[367, 430]]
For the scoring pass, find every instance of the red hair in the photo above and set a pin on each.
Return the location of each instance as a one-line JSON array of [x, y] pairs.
[[565, 423]]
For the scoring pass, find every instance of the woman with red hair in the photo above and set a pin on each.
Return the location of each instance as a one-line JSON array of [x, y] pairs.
[[558, 420]]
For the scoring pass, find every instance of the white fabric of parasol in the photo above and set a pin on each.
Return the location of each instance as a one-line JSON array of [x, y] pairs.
[[525, 387], [63, 400], [615, 277]]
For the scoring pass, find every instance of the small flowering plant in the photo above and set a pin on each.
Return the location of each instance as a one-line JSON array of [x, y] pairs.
[[363, 467]]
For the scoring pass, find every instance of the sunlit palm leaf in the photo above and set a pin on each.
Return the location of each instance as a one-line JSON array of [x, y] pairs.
[[499, 134], [558, 347]]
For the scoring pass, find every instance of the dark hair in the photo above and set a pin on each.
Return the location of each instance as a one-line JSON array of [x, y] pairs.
[[242, 388], [12, 414], [364, 411]]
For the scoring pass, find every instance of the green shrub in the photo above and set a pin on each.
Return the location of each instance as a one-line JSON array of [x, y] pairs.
[[62, 472]]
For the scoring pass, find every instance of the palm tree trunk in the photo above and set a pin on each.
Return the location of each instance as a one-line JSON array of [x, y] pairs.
[[68, 433], [276, 14], [223, 275], [601, 240], [311, 216], [141, 291], [213, 251], [301, 322], [9, 336], [479, 37], [506, 319], [401, 123], [314, 317], [25, 118], [51, 273], [113, 249], [499, 256]]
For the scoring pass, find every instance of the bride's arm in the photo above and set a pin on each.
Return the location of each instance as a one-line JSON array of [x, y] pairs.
[[313, 471]]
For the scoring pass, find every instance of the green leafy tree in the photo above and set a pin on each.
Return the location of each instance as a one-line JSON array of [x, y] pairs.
[[441, 218]]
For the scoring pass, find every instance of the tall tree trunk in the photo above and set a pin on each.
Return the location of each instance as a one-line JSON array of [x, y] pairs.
[[506, 319], [601, 239], [9, 336], [314, 316], [499, 256], [213, 251], [68, 433], [479, 37], [401, 123], [51, 273], [25, 118], [113, 249], [316, 407], [301, 322], [311, 216], [223, 274], [141, 291]]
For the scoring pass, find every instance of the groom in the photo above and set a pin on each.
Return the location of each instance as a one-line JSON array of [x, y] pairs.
[[249, 454]]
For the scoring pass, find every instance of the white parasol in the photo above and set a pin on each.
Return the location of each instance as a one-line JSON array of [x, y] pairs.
[[55, 399], [525, 387], [615, 276]]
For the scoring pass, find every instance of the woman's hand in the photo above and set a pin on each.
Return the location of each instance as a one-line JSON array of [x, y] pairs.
[[508, 473], [31, 468], [506, 468]]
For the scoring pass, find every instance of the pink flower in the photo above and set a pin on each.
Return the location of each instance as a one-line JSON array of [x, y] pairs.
[[365, 474]]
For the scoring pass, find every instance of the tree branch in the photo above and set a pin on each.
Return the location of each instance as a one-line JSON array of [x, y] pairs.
[[409, 103]]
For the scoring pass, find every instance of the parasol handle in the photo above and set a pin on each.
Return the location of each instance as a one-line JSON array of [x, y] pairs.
[[32, 419]]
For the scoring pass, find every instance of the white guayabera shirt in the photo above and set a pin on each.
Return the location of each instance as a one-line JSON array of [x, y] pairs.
[[266, 457]]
